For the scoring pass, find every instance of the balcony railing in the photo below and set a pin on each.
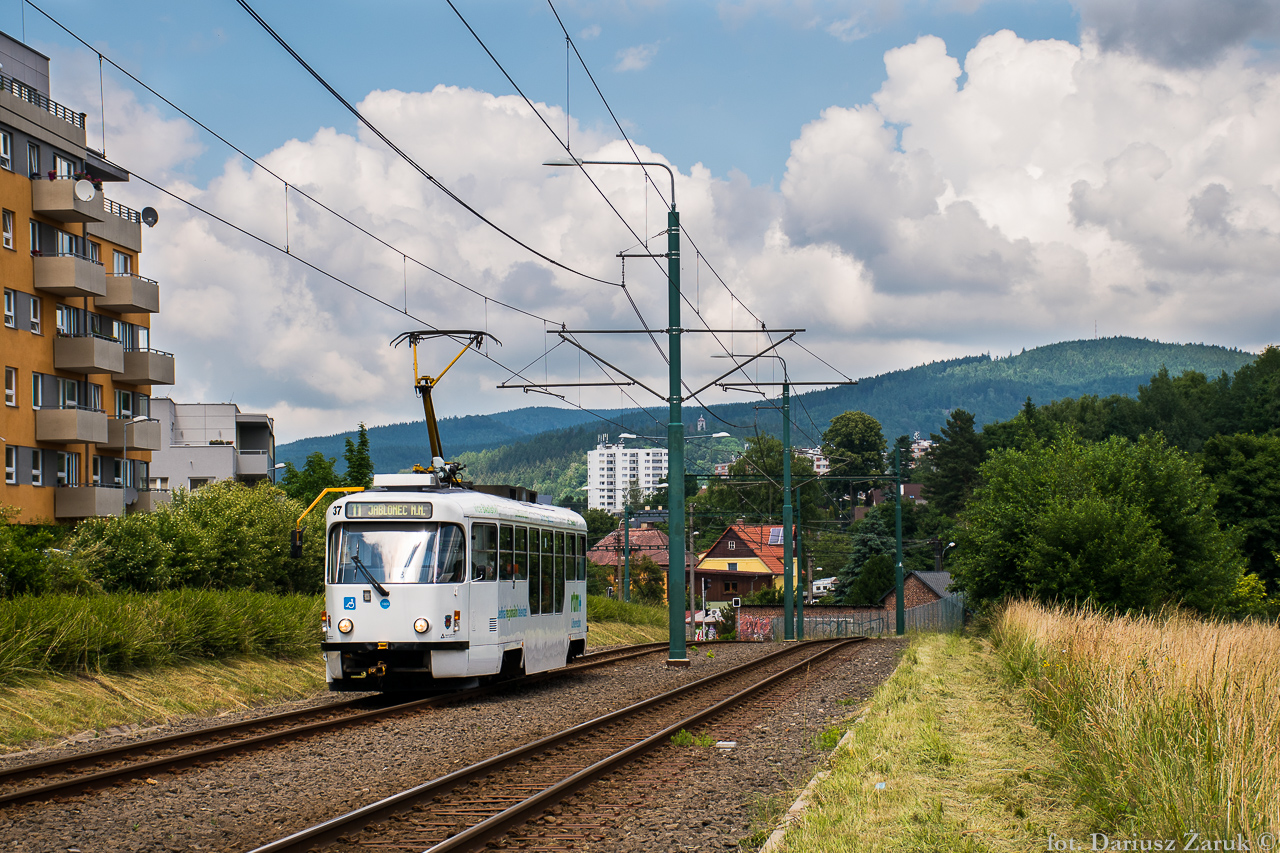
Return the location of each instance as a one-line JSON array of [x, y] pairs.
[[143, 366], [57, 199], [71, 425], [88, 354], [117, 209], [33, 96]]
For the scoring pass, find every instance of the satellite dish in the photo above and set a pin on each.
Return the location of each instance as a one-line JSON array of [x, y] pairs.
[[150, 216], [85, 190]]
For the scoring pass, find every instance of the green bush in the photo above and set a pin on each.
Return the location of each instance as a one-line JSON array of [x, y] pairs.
[[601, 609], [223, 536], [123, 631], [29, 560]]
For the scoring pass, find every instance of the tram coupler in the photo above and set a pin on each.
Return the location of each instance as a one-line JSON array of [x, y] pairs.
[[378, 671]]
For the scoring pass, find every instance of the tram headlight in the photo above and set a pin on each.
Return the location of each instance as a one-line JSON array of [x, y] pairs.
[[345, 626], [422, 626]]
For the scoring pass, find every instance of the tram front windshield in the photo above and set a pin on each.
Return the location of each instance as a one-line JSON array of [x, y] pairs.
[[428, 552]]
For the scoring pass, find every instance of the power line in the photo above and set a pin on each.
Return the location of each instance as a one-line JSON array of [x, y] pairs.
[[413, 163]]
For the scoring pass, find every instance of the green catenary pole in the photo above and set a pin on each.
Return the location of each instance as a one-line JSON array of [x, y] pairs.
[[676, 654], [897, 528], [788, 589], [626, 553], [804, 587]]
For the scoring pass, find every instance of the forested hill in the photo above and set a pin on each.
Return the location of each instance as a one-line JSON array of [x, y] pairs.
[[904, 401]]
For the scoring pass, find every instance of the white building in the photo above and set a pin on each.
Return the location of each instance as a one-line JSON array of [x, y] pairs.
[[204, 442], [613, 468]]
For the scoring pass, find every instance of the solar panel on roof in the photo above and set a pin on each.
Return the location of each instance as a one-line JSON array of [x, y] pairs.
[[775, 535]]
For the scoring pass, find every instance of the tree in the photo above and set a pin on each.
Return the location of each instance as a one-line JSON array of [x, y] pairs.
[[647, 581], [902, 449], [1126, 525], [876, 577], [600, 523], [953, 464], [317, 474], [359, 464], [1245, 469], [855, 445], [871, 537]]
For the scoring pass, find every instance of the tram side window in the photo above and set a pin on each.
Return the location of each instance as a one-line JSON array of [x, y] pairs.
[[560, 575], [548, 570], [335, 539], [520, 557], [582, 557], [535, 571], [506, 563], [484, 552], [452, 562]]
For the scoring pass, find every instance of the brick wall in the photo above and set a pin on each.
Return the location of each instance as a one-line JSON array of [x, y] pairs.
[[914, 593]]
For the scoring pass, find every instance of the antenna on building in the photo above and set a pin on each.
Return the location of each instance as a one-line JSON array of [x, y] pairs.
[[85, 190], [150, 217]]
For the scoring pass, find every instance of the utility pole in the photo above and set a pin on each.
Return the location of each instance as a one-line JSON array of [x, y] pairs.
[[788, 587], [897, 527], [626, 553]]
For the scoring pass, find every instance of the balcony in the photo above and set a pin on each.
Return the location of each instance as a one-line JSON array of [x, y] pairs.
[[133, 435], [147, 367], [58, 199], [71, 426], [150, 499], [88, 354], [87, 501], [69, 275], [130, 294], [122, 226], [253, 464]]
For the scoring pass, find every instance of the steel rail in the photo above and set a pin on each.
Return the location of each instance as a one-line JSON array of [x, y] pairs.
[[185, 759], [330, 830]]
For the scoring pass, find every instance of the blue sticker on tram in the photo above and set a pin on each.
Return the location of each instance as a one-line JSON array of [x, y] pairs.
[[384, 603], [349, 602]]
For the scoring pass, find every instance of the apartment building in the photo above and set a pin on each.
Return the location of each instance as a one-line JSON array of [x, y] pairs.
[[613, 468], [76, 422], [202, 443]]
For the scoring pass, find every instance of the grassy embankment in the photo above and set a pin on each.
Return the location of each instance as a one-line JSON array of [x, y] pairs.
[[75, 665], [1066, 724]]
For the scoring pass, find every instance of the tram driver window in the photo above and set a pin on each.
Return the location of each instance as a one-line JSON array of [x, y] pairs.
[[484, 552], [397, 553]]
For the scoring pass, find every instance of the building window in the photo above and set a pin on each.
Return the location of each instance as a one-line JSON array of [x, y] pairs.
[[35, 237], [7, 217], [123, 263], [124, 404], [97, 470], [10, 319], [37, 468], [68, 393], [64, 167], [68, 468], [95, 397], [35, 314], [11, 386], [733, 567], [10, 465], [730, 587], [64, 319], [732, 544], [95, 251], [37, 390], [6, 150], [33, 159], [197, 482]]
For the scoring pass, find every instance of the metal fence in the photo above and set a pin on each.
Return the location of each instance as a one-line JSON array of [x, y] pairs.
[[946, 614]]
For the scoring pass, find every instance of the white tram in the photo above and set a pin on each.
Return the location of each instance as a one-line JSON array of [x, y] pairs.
[[429, 585]]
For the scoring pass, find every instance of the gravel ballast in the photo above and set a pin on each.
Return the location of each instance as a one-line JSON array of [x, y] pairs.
[[242, 802]]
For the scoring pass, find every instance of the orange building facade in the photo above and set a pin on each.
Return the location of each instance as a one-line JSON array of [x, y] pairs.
[[75, 343]]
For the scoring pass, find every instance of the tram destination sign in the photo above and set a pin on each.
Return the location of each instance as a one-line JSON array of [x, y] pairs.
[[368, 509]]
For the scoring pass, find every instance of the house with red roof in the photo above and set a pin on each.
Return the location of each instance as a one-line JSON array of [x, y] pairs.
[[744, 559]]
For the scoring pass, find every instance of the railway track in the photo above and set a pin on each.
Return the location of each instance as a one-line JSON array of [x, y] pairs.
[[74, 774], [469, 808]]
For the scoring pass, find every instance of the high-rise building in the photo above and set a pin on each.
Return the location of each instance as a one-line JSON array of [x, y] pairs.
[[612, 469], [76, 341]]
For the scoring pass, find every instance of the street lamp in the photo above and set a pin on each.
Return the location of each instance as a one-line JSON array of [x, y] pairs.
[[274, 469], [677, 654]]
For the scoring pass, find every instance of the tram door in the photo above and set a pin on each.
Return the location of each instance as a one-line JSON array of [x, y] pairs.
[[484, 584]]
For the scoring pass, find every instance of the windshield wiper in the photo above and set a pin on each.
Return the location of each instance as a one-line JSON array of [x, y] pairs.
[[382, 590]]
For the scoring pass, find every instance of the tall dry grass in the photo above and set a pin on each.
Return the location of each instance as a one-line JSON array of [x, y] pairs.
[[1170, 723]]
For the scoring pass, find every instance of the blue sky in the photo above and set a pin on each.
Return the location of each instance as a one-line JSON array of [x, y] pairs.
[[907, 181]]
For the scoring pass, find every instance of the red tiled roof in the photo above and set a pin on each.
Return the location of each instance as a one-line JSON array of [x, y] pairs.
[[756, 538], [648, 541]]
